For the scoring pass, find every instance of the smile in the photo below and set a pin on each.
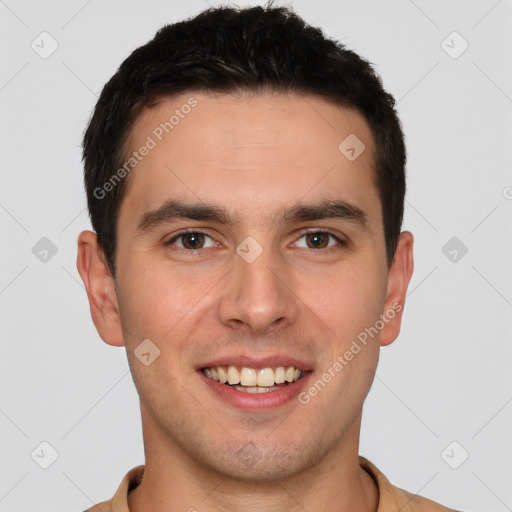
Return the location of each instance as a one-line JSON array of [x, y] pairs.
[[254, 380]]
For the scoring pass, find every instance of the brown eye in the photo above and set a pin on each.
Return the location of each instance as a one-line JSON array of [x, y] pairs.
[[317, 240], [191, 240]]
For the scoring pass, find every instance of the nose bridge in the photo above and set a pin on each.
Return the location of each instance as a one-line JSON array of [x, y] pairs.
[[257, 295], [259, 276]]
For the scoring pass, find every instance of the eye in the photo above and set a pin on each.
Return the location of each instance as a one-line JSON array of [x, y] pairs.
[[191, 240], [320, 240], [194, 240]]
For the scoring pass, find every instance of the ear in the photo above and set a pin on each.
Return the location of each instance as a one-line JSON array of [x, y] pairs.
[[100, 286], [399, 276]]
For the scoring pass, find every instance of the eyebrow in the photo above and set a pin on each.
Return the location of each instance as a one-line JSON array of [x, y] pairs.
[[175, 209]]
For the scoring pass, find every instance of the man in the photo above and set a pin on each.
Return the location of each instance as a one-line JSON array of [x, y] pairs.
[[245, 179]]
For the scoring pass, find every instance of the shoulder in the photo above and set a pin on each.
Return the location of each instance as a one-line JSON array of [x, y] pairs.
[[119, 503], [393, 498], [104, 506], [421, 504]]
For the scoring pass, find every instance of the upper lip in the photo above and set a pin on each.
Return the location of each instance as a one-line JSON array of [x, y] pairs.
[[272, 361]]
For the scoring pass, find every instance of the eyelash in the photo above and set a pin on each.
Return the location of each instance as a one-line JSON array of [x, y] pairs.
[[341, 242]]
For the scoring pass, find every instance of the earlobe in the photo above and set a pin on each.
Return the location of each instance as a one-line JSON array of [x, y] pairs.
[[398, 281], [100, 287]]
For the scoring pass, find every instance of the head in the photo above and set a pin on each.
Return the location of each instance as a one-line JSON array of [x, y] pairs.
[[226, 50], [282, 155]]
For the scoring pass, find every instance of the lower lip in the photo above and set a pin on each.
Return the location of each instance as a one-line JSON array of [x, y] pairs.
[[256, 401]]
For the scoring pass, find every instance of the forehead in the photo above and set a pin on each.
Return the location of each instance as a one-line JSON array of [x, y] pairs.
[[233, 148]]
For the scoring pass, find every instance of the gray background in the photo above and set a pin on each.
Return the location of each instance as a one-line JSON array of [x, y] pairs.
[[447, 377]]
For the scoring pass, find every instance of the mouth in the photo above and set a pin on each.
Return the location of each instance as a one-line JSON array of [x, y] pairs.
[[254, 380], [255, 386]]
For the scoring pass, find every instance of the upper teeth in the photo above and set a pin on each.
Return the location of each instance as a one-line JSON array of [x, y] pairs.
[[253, 377]]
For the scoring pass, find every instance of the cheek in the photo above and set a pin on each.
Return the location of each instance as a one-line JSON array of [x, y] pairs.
[[350, 306], [159, 302], [347, 299]]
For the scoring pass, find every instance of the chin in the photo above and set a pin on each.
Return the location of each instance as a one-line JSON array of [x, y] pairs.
[[266, 460], [258, 467]]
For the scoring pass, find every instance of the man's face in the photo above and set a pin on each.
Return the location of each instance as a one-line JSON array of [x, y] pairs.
[[282, 284]]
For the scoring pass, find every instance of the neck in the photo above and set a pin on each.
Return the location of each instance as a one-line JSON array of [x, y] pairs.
[[173, 481]]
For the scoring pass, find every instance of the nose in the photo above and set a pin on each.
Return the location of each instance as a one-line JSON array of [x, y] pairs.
[[258, 296]]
